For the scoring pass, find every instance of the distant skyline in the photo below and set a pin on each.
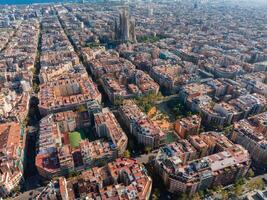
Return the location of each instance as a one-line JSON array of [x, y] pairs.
[[12, 2], [27, 1]]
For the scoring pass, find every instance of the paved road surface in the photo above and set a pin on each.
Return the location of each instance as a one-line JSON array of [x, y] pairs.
[[29, 194], [144, 158]]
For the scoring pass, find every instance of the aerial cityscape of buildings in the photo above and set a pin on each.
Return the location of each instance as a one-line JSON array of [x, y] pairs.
[[142, 99]]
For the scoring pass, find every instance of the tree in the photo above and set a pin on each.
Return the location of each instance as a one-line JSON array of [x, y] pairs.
[[147, 101], [180, 111], [196, 197], [225, 195], [183, 196], [256, 184], [35, 87], [33, 70], [186, 136], [228, 129], [151, 158], [127, 154], [156, 194], [240, 181], [147, 108], [238, 190], [154, 197], [81, 108], [160, 96], [212, 104], [201, 194], [25, 121], [74, 174], [202, 129], [118, 100], [16, 189], [188, 114], [148, 149], [250, 173]]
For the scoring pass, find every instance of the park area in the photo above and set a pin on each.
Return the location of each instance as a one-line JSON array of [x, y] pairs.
[[75, 138]]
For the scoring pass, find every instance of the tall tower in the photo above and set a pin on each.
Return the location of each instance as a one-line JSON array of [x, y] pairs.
[[116, 30], [7, 21], [149, 9], [195, 4], [132, 31], [125, 31], [125, 25]]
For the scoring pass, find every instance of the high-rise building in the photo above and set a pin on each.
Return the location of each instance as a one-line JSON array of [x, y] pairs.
[[125, 31], [149, 9], [196, 5], [124, 25], [5, 23]]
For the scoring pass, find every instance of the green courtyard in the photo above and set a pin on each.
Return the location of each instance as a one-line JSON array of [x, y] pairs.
[[76, 137]]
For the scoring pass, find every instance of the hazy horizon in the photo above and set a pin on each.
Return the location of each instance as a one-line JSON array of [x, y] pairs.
[[14, 2], [27, 1]]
